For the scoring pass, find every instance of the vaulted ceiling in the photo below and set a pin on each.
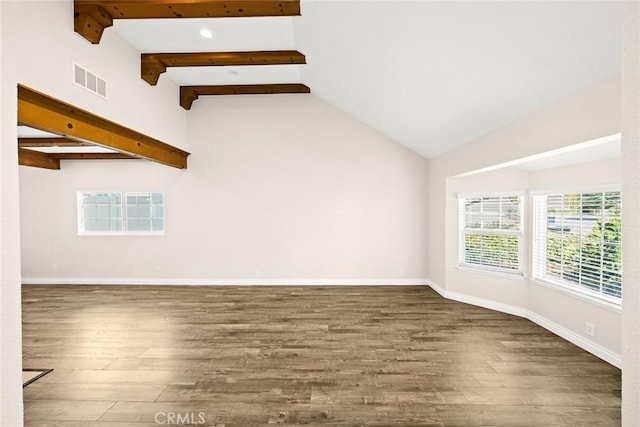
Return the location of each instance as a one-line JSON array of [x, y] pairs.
[[435, 75], [431, 75]]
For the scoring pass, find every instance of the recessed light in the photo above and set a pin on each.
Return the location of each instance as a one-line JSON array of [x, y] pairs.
[[207, 34]]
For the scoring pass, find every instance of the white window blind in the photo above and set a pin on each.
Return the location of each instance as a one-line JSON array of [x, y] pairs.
[[577, 241], [491, 232], [120, 213]]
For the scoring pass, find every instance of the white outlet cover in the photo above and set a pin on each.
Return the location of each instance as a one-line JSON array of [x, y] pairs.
[[591, 329]]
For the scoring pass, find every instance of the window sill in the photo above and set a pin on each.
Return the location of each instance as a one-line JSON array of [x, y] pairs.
[[580, 294], [515, 275], [130, 233]]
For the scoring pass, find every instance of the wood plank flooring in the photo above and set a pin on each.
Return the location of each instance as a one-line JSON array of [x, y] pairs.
[[242, 356]]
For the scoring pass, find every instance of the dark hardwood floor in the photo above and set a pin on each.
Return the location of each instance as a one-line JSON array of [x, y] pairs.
[[242, 356]]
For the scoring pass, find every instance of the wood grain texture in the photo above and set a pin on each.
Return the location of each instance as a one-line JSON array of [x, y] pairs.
[[90, 20], [37, 159], [301, 356]]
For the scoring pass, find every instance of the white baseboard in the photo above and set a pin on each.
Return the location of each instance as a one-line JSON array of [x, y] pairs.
[[480, 302], [574, 338], [582, 342], [220, 282]]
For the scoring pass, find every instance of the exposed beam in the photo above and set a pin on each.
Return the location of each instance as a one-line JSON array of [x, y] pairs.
[[154, 64], [90, 156], [51, 142], [93, 16], [90, 20], [52, 115], [188, 94], [37, 159]]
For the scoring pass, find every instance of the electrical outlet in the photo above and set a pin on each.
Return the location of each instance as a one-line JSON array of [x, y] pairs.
[[591, 329], [402, 274], [256, 274], [158, 267], [54, 267]]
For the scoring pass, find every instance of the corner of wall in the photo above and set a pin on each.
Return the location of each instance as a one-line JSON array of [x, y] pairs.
[[10, 291]]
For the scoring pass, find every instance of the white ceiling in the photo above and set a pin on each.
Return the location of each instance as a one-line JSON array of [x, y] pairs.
[[229, 35], [431, 75], [239, 75], [29, 132]]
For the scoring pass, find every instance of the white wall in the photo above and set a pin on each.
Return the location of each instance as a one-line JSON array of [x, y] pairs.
[[286, 186], [630, 217], [595, 173], [283, 184], [10, 309]]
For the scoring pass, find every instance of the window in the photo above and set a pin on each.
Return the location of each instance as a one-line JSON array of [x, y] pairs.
[[577, 241], [491, 232], [120, 213]]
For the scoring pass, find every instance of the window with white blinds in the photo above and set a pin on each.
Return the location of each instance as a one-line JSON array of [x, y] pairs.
[[577, 241], [491, 232]]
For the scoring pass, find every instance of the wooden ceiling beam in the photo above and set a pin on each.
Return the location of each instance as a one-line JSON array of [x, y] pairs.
[[43, 112], [37, 159], [90, 20], [188, 94], [51, 142], [154, 64], [90, 156], [93, 16]]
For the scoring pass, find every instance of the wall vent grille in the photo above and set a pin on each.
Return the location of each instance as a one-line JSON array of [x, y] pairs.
[[90, 81]]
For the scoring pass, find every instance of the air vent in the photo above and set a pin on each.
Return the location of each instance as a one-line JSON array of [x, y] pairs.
[[89, 81]]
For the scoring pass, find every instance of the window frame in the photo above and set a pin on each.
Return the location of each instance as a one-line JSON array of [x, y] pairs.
[[518, 273], [539, 247], [123, 214]]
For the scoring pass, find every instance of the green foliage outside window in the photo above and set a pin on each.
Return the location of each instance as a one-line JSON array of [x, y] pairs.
[[492, 250], [590, 259], [491, 231]]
